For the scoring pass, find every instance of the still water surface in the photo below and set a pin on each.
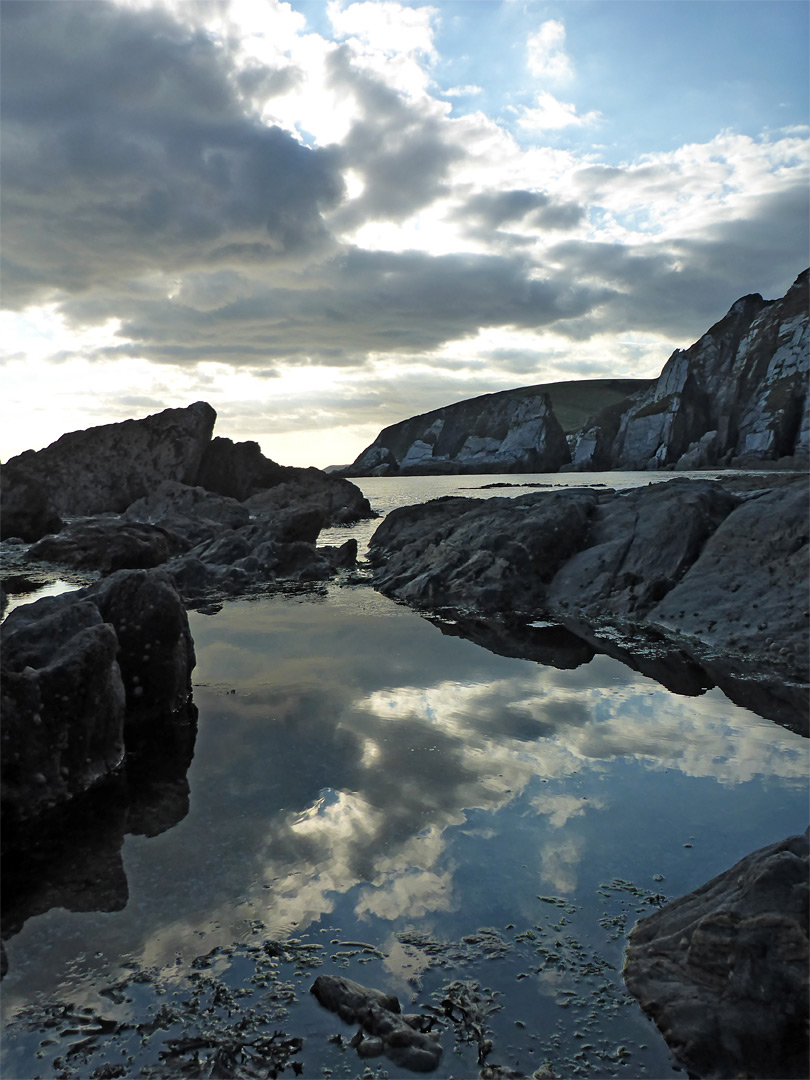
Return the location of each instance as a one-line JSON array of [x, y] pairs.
[[401, 806]]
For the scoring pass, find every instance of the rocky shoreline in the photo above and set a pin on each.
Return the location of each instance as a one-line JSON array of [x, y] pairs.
[[696, 582]]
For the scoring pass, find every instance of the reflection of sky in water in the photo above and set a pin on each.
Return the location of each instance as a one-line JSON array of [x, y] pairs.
[[370, 770]]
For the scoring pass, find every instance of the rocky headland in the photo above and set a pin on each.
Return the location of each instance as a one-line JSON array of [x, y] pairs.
[[737, 397]]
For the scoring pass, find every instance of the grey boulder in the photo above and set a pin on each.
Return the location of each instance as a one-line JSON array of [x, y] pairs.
[[723, 970]]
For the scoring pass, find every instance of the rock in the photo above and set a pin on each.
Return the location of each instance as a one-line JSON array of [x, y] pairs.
[[723, 970], [380, 1017], [497, 433], [240, 470], [155, 648], [108, 544], [103, 468], [719, 578], [79, 671], [340, 501], [26, 508], [745, 380], [486, 555], [63, 704], [188, 511], [747, 587], [237, 470], [632, 556]]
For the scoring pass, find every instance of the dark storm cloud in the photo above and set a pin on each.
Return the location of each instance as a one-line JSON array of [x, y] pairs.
[[358, 302], [126, 149]]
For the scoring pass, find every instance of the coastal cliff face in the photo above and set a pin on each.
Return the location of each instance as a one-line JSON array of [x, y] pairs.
[[738, 394], [497, 433]]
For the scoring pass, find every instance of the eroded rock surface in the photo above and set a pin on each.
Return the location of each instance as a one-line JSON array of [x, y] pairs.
[[723, 970], [79, 669], [740, 393]]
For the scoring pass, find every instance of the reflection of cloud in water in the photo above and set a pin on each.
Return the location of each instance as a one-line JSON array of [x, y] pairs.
[[353, 745], [561, 808], [560, 857]]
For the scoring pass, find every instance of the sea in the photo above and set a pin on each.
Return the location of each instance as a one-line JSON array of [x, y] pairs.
[[370, 795]]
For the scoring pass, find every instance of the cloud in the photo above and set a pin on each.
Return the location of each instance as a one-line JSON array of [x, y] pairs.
[[550, 114], [545, 52], [133, 153], [214, 192]]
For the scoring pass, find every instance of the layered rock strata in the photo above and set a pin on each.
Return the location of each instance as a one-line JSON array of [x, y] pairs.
[[714, 573], [497, 433], [723, 970], [740, 393]]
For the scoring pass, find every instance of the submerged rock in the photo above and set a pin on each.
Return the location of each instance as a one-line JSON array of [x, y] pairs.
[[723, 970], [383, 1027]]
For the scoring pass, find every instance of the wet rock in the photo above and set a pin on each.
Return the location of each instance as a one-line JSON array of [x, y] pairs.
[[749, 580], [103, 468], [723, 970], [632, 555], [63, 704], [379, 1016], [189, 511], [492, 555], [78, 669], [155, 648]]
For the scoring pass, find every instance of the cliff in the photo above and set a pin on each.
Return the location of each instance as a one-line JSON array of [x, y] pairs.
[[738, 395], [521, 430]]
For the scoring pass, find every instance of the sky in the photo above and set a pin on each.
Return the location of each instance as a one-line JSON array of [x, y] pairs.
[[325, 217]]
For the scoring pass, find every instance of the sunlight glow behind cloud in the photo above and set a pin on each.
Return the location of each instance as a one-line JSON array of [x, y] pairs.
[[229, 201]]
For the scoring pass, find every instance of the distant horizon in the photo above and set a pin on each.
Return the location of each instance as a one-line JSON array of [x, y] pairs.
[[324, 217]]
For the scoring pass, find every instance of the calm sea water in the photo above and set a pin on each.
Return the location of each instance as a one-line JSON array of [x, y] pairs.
[[369, 796]]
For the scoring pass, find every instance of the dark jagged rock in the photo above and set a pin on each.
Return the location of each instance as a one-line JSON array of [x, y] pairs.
[[155, 648], [688, 561], [383, 1027], [79, 669], [723, 970], [740, 393], [747, 590], [633, 556], [498, 433], [340, 501], [103, 468], [241, 471], [489, 555], [108, 544], [237, 470]]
